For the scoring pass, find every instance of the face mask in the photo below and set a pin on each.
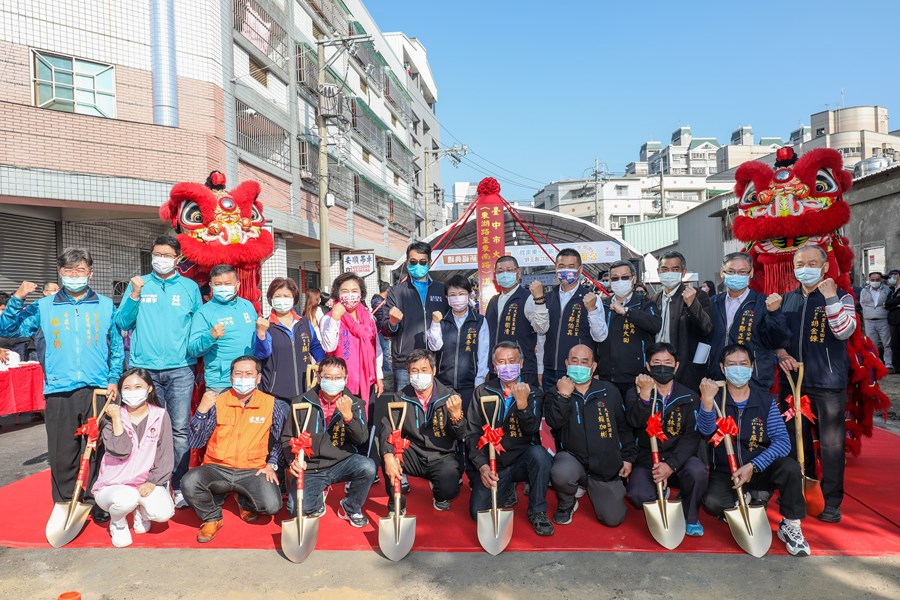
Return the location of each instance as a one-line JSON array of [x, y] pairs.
[[283, 304], [670, 280], [417, 271], [808, 275], [605, 284], [736, 283], [738, 376], [74, 284], [508, 373], [567, 276], [224, 293], [578, 373], [333, 387], [875, 284], [243, 385], [507, 279], [458, 303], [662, 373], [162, 265], [621, 288], [420, 381], [892, 281], [135, 398], [350, 300]]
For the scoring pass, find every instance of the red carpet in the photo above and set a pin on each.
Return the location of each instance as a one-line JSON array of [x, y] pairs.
[[871, 524]]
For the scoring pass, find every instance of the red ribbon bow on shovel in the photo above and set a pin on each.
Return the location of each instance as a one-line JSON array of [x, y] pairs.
[[89, 429], [725, 426], [302, 442], [805, 409], [491, 436], [400, 445], [655, 428]]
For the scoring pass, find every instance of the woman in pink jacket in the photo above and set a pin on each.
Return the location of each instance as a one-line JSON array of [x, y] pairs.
[[138, 461]]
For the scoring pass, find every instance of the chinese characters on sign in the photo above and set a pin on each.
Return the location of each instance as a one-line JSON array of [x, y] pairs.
[[360, 264], [491, 240]]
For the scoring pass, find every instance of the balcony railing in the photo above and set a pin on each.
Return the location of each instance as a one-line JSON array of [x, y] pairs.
[[369, 197], [398, 156], [368, 127], [402, 216], [397, 96], [262, 137], [261, 30], [369, 59], [332, 12]]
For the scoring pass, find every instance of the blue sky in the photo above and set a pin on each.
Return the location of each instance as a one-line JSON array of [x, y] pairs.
[[542, 88]]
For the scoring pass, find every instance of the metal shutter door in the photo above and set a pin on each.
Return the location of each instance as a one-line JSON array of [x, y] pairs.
[[28, 251]]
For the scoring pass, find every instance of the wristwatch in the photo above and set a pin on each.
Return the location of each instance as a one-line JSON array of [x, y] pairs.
[[755, 468]]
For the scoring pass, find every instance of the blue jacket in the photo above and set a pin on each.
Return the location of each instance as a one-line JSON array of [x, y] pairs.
[[160, 321], [83, 347], [239, 318]]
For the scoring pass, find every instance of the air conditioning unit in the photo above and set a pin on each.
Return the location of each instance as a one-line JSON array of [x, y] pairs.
[[331, 101], [307, 176]]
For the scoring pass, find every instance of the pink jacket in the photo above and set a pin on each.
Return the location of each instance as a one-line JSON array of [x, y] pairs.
[[134, 468]]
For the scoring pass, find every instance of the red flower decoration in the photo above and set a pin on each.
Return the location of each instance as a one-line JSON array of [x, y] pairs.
[[785, 153], [217, 178], [488, 186]]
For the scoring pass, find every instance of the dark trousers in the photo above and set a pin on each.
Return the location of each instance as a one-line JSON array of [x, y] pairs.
[[895, 344], [532, 466], [828, 406], [443, 472], [358, 470], [550, 377], [690, 479], [175, 389], [202, 484], [462, 451], [607, 497], [782, 475], [66, 412], [624, 387]]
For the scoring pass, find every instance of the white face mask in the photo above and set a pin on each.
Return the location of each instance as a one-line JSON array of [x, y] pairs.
[[875, 284], [134, 398], [282, 304], [420, 381], [622, 287], [162, 265]]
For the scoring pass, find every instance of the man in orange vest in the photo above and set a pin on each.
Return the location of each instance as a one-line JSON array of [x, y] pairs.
[[240, 429]]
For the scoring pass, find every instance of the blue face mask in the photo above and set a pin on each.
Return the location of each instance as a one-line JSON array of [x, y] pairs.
[[417, 271], [578, 373], [224, 293], [736, 283], [332, 387], [243, 385], [808, 275], [738, 376], [567, 276], [74, 284], [507, 279], [670, 280]]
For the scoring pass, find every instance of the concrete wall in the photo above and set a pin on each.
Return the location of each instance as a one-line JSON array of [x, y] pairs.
[[874, 218]]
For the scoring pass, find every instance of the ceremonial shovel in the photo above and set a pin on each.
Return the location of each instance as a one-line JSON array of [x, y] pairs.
[[495, 526], [812, 489], [397, 533], [68, 518], [665, 518], [299, 535], [312, 372], [749, 525]]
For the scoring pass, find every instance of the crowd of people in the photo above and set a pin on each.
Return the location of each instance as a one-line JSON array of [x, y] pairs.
[[593, 368]]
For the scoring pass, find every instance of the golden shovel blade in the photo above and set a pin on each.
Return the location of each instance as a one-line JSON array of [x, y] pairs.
[[495, 529], [750, 529], [298, 537], [665, 519], [396, 535], [66, 522]]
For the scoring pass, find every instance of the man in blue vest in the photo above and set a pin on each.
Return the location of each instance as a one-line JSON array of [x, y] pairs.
[[517, 314], [83, 352], [157, 309]]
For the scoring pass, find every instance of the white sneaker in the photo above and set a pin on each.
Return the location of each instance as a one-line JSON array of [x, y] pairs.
[[141, 522], [180, 502], [580, 492], [793, 539], [120, 534]]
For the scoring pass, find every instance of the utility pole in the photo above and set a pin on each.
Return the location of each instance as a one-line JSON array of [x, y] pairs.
[[425, 193], [662, 192], [455, 154], [597, 174]]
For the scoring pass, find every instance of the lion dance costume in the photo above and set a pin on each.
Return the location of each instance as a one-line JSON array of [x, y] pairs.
[[216, 226], [798, 203]]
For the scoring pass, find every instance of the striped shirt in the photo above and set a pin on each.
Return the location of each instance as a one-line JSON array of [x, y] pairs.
[[841, 313], [779, 440]]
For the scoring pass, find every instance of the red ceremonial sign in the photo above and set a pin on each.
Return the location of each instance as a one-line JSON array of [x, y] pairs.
[[491, 241]]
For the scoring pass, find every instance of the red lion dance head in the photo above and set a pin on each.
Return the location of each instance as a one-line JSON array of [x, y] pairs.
[[216, 227], [801, 202]]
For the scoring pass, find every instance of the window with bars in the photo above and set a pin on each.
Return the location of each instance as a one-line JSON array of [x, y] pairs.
[[309, 163], [397, 96], [307, 65], [398, 156], [340, 182], [70, 84], [369, 198], [262, 137], [368, 127], [332, 13], [401, 216], [261, 30]]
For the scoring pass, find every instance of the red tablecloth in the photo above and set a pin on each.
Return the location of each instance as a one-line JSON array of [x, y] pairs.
[[22, 389]]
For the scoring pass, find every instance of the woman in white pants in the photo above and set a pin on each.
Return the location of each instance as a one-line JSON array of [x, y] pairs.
[[138, 460]]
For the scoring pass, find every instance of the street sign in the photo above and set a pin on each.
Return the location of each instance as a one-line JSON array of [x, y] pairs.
[[530, 256], [359, 264]]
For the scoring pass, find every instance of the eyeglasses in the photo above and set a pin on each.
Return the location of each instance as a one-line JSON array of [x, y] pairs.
[[75, 272], [622, 278], [158, 255], [411, 262], [733, 272]]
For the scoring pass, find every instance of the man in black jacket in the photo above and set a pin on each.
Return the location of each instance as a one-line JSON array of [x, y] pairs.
[[685, 317], [633, 322], [677, 406], [406, 314], [336, 427], [596, 443], [520, 457], [434, 426]]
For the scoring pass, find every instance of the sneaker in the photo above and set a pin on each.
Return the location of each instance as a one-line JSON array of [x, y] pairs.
[[99, 515], [356, 519], [540, 523], [180, 502], [511, 500], [120, 534], [831, 514], [580, 492], [319, 512], [441, 505], [141, 522], [693, 529], [760, 498], [347, 487], [793, 539], [404, 484], [564, 516]]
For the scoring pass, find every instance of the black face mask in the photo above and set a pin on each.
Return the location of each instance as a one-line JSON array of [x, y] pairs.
[[662, 373]]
